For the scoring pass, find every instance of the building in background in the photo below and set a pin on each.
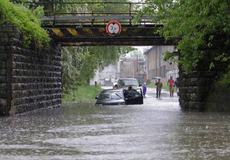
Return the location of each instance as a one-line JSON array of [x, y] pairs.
[[106, 76], [133, 65], [156, 66]]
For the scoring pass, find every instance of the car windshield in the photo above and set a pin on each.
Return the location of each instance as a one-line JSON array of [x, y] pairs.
[[111, 95], [130, 82], [116, 96], [104, 96]]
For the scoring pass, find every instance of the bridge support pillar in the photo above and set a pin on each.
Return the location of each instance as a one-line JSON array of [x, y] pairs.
[[30, 77], [194, 89], [199, 90]]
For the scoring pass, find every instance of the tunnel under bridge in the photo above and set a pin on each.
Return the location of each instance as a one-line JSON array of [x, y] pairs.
[[30, 77]]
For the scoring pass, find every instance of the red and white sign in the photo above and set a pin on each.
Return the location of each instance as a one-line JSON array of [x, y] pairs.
[[113, 27]]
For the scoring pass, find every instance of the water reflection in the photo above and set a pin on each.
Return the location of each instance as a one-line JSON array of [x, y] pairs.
[[156, 130]]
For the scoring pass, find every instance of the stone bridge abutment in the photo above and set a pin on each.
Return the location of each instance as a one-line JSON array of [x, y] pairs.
[[30, 77]]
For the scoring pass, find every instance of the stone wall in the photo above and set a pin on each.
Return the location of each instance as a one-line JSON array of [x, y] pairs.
[[218, 100], [30, 77], [3, 77], [199, 91], [6, 38], [194, 89]]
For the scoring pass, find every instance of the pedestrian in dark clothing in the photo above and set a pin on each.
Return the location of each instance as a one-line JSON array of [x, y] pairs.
[[144, 89], [130, 92], [159, 86]]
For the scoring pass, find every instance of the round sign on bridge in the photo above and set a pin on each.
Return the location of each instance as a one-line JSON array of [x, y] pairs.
[[113, 27]]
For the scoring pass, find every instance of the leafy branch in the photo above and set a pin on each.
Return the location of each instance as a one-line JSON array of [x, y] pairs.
[[26, 20]]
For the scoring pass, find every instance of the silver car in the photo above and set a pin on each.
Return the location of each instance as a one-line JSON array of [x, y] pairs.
[[119, 96], [111, 97]]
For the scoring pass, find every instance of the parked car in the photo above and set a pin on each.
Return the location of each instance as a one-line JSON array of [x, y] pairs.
[[119, 96], [126, 82]]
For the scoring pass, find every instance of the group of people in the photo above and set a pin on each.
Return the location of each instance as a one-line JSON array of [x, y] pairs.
[[171, 83]]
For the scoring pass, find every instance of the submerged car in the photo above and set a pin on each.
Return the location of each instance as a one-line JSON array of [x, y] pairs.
[[133, 96], [119, 96], [110, 97]]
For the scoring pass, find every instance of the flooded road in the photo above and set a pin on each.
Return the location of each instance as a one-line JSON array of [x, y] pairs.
[[156, 130]]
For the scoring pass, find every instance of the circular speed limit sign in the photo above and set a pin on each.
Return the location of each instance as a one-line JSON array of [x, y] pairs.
[[113, 27]]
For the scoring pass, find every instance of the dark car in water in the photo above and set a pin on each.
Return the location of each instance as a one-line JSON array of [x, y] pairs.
[[119, 96], [125, 83], [133, 96]]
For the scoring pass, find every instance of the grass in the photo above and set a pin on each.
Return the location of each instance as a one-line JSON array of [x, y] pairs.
[[83, 94]]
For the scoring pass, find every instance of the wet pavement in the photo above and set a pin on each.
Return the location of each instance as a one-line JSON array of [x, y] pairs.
[[156, 130]]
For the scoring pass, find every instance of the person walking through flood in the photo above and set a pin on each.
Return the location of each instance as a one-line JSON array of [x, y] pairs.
[[144, 89], [159, 86], [171, 85]]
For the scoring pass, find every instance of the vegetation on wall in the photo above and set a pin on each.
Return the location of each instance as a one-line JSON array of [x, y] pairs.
[[203, 27], [25, 20]]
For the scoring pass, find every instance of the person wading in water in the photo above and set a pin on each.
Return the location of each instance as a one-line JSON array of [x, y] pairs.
[[159, 86], [171, 84]]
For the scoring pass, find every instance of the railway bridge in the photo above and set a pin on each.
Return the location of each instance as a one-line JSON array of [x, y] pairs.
[[113, 23], [30, 77]]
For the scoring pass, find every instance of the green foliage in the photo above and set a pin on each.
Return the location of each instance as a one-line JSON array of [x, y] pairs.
[[224, 81], [25, 20], [80, 63], [71, 65], [94, 7], [202, 26], [168, 56], [84, 93]]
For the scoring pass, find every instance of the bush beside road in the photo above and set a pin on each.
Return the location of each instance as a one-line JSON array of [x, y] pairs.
[[83, 94]]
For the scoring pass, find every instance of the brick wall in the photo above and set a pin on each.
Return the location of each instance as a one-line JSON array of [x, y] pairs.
[[30, 77]]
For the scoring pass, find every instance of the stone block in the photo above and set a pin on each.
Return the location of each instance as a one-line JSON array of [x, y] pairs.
[[3, 102]]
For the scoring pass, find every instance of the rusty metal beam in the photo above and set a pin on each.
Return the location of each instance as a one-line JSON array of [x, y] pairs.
[[96, 35]]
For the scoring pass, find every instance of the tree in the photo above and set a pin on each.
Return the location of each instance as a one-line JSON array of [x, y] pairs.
[[80, 63], [203, 27]]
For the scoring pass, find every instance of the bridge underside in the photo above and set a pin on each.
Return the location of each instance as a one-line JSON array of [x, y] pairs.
[[96, 35]]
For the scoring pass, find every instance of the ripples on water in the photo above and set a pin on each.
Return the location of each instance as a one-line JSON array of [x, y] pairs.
[[156, 130]]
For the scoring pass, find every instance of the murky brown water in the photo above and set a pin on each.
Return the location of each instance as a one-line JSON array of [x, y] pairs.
[[157, 130]]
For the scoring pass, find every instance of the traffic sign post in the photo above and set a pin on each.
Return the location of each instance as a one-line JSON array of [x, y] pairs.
[[113, 27]]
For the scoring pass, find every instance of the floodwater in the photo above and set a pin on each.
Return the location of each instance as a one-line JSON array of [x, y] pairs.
[[156, 130]]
